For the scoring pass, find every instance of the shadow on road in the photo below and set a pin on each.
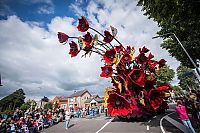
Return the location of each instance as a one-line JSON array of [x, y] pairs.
[[71, 125]]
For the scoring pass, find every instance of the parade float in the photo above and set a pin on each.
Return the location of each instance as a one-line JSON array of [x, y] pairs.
[[134, 93]]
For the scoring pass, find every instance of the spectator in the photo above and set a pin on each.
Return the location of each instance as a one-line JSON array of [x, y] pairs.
[[181, 110], [67, 120]]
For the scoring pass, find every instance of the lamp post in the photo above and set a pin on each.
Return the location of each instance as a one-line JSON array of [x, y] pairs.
[[169, 34], [0, 81]]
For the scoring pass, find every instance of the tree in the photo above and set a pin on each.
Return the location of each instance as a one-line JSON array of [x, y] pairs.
[[178, 91], [187, 78], [12, 101], [165, 75], [181, 17], [48, 105], [30, 104]]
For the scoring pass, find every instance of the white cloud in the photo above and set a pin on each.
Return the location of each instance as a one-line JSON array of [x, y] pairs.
[[46, 9], [31, 57]]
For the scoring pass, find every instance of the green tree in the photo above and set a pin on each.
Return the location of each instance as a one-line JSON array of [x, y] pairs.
[[12, 101], [181, 17], [178, 90], [165, 75], [187, 78], [30, 104], [48, 105]]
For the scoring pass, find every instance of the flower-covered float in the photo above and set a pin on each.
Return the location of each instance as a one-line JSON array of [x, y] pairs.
[[134, 92]]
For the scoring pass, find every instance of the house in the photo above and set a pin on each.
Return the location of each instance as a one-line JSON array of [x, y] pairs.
[[41, 103], [77, 99], [62, 102], [94, 101]]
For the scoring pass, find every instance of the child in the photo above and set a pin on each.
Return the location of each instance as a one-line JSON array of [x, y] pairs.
[[67, 119]]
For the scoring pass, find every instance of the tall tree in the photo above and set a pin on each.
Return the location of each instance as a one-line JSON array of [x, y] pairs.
[[178, 90], [187, 78], [165, 75], [16, 99], [181, 17]]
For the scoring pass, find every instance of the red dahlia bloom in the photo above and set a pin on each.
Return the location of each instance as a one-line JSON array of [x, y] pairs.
[[83, 24], [87, 40], [137, 77], [118, 105], [108, 37], [126, 58], [106, 71], [110, 56], [73, 49], [155, 98], [62, 37]]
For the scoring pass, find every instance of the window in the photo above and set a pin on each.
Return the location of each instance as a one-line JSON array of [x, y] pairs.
[[71, 99]]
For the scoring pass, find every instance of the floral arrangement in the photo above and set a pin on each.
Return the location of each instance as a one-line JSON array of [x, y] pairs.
[[134, 92]]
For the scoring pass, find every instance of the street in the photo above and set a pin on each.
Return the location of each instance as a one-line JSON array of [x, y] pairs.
[[104, 124]]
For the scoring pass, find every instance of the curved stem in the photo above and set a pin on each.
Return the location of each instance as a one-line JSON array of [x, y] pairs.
[[96, 31], [99, 49], [96, 52], [101, 35], [103, 44], [73, 37]]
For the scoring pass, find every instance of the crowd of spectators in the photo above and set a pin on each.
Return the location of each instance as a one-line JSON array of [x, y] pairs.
[[30, 121]]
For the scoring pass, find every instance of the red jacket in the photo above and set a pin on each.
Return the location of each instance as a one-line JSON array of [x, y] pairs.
[[181, 110]]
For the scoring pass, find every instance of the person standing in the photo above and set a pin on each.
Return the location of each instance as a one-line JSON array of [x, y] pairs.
[[181, 110], [67, 119]]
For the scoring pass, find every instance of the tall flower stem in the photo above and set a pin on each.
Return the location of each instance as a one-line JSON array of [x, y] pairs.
[[103, 44], [99, 49], [100, 34], [73, 37]]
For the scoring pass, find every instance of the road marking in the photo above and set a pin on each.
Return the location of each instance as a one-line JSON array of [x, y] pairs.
[[105, 125], [147, 127], [161, 127]]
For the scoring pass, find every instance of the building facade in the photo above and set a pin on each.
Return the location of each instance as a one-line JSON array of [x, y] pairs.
[[77, 99]]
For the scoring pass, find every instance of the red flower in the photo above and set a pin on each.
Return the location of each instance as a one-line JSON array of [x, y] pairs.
[[83, 24], [62, 37], [162, 63], [143, 50], [106, 71], [155, 98], [128, 50], [108, 37], [87, 40], [73, 49], [118, 105], [141, 58], [137, 77], [110, 56], [126, 58], [150, 56], [119, 48]]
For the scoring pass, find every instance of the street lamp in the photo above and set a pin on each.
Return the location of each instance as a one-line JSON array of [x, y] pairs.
[[0, 81], [182, 48]]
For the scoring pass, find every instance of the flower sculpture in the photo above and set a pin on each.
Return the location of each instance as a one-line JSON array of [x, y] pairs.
[[134, 92]]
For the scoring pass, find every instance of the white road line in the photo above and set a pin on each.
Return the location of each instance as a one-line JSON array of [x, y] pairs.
[[105, 125], [161, 127], [147, 127]]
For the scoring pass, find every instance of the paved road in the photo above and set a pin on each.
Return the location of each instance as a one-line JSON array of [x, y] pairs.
[[113, 125]]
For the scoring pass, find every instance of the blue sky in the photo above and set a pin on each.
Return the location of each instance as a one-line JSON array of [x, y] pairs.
[[31, 57], [37, 10]]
